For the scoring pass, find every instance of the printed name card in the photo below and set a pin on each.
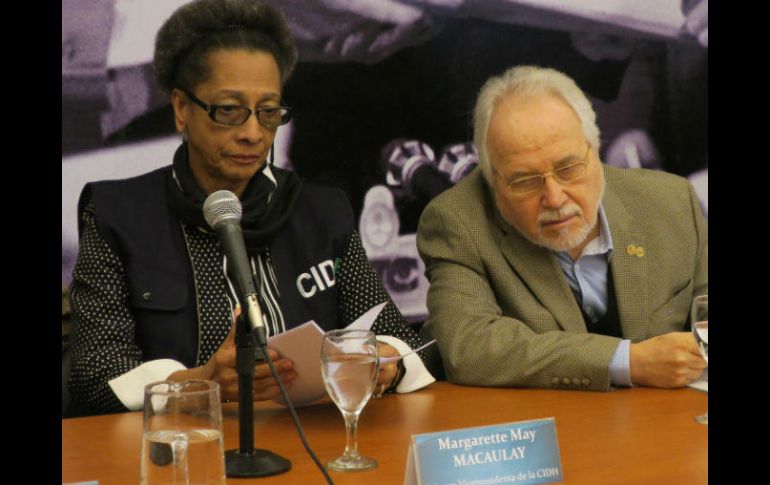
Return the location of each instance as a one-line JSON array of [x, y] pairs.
[[521, 452]]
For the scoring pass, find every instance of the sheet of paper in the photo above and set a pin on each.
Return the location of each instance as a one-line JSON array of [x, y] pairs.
[[702, 384], [365, 321], [385, 360], [303, 346]]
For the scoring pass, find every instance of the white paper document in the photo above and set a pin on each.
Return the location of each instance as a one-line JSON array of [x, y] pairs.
[[702, 384], [303, 346], [365, 321], [385, 360]]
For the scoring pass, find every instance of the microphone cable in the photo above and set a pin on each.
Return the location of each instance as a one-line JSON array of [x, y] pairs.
[[295, 417]]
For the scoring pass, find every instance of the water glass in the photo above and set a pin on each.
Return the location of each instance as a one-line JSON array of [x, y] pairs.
[[350, 364], [182, 434], [699, 320]]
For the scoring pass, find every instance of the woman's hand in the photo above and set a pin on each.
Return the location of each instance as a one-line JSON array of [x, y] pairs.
[[221, 369], [388, 371]]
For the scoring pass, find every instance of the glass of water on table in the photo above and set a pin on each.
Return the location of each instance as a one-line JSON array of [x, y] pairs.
[[182, 436], [349, 365], [699, 316]]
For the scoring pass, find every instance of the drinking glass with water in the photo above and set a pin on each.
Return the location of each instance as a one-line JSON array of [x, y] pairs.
[[182, 435], [349, 364], [699, 316]]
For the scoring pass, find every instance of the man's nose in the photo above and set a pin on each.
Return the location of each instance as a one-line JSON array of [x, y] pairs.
[[553, 193]]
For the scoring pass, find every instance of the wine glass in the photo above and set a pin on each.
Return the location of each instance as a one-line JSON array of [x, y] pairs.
[[349, 364], [699, 317]]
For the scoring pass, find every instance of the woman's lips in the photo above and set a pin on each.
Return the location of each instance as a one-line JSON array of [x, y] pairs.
[[245, 159]]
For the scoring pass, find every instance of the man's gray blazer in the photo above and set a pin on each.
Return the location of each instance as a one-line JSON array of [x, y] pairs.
[[502, 310]]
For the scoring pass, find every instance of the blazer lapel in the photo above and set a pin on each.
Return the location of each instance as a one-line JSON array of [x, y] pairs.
[[542, 274], [629, 267]]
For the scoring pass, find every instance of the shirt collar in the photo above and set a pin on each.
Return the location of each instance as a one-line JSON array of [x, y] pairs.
[[269, 174], [601, 244]]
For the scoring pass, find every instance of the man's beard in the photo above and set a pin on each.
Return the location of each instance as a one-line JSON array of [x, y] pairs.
[[568, 237]]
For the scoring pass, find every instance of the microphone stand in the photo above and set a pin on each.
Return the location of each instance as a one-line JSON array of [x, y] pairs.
[[248, 461]]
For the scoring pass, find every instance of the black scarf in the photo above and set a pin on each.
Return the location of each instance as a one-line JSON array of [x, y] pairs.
[[261, 219]]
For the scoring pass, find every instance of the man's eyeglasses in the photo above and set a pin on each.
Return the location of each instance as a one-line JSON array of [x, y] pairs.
[[572, 172], [271, 117]]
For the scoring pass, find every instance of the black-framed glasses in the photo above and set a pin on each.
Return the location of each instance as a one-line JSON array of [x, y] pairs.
[[271, 117], [566, 174]]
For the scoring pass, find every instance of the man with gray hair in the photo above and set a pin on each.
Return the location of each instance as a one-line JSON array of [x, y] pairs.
[[550, 269]]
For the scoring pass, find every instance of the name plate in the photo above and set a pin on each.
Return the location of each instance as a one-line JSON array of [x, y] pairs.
[[520, 452]]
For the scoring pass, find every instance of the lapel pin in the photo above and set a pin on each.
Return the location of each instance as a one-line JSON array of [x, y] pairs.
[[633, 250]]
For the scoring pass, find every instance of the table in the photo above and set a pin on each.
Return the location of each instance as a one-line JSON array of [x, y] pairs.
[[637, 435]]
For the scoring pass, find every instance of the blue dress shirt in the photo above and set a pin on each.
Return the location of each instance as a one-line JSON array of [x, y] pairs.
[[587, 276]]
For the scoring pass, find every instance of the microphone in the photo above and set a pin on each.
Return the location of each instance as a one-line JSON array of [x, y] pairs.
[[222, 211]]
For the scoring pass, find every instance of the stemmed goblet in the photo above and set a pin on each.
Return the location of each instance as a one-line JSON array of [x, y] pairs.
[[349, 365]]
